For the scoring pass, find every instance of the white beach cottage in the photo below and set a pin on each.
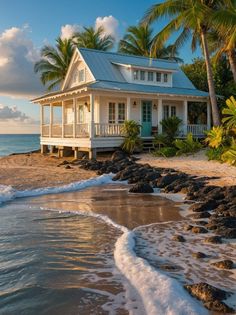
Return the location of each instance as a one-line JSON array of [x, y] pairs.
[[103, 89]]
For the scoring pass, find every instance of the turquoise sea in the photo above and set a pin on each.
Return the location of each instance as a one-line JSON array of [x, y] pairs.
[[18, 143]]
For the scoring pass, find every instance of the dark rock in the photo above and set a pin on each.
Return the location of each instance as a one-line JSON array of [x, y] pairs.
[[208, 205], [201, 215], [224, 264], [188, 227], [178, 238], [206, 292], [68, 167], [199, 229], [201, 222], [118, 155], [213, 239], [218, 306], [199, 255], [141, 188], [63, 163], [226, 232], [167, 180], [152, 176]]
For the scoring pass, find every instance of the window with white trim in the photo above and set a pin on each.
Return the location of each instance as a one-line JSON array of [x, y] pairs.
[[81, 75], [136, 75], [116, 114], [112, 113], [80, 114], [150, 76], [165, 77], [173, 111], [158, 76], [121, 113], [142, 75]]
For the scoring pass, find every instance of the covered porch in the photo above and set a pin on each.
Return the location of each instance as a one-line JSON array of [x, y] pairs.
[[93, 122]]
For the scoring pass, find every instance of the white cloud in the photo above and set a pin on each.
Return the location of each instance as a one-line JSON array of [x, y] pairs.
[[8, 113], [110, 25], [17, 57], [68, 30]]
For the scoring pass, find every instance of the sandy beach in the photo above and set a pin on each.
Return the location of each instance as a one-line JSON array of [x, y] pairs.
[[225, 175], [28, 171]]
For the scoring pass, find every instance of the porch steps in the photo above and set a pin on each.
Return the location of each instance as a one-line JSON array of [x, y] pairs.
[[148, 144]]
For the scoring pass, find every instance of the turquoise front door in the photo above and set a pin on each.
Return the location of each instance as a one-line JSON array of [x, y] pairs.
[[146, 118]]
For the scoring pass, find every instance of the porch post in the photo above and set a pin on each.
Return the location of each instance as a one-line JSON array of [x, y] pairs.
[[208, 115], [185, 118], [50, 120], [91, 131], [159, 115], [128, 108], [62, 119], [41, 119], [75, 116]]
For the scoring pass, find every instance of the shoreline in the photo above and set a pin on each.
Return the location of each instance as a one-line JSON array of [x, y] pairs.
[[206, 203]]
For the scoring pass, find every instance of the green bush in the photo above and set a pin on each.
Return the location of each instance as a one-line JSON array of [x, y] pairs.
[[214, 153], [170, 127], [188, 145], [165, 152], [229, 156], [131, 131]]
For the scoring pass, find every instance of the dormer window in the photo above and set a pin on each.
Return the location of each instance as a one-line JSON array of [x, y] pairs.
[[136, 74], [158, 77], [150, 76], [165, 77], [142, 75]]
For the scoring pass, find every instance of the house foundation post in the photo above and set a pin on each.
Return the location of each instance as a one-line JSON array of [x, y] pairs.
[[76, 153], [92, 153], [51, 150], [44, 148]]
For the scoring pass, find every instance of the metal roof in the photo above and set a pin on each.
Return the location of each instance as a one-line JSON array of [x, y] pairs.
[[103, 68], [131, 87]]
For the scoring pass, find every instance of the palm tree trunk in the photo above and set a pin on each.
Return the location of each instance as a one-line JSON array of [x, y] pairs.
[[212, 93], [232, 63]]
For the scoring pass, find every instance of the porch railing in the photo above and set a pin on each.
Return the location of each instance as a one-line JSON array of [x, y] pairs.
[[82, 130], [107, 130], [197, 130]]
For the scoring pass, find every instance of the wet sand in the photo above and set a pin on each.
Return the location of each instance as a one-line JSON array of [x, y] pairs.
[[129, 210]]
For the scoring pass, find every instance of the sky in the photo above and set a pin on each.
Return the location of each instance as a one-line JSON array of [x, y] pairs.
[[27, 25]]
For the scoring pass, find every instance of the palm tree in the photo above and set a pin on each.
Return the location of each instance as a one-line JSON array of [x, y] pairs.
[[224, 21], [139, 41], [94, 39], [191, 17], [54, 63]]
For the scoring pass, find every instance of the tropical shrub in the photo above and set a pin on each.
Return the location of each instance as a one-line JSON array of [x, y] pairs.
[[131, 131], [215, 137], [230, 113], [165, 152], [229, 156], [215, 153], [188, 145], [170, 127], [162, 140]]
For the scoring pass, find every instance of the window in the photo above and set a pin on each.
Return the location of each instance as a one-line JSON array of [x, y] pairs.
[[112, 113], [150, 76], [158, 77], [165, 77], [136, 74], [173, 111], [142, 75], [121, 113], [166, 111], [81, 75]]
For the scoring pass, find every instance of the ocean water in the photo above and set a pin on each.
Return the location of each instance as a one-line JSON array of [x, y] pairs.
[[92, 248], [18, 143]]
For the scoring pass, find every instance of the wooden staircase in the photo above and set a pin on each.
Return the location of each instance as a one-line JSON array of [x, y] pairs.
[[148, 144]]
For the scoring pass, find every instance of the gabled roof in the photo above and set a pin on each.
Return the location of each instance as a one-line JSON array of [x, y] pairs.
[[103, 66]]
